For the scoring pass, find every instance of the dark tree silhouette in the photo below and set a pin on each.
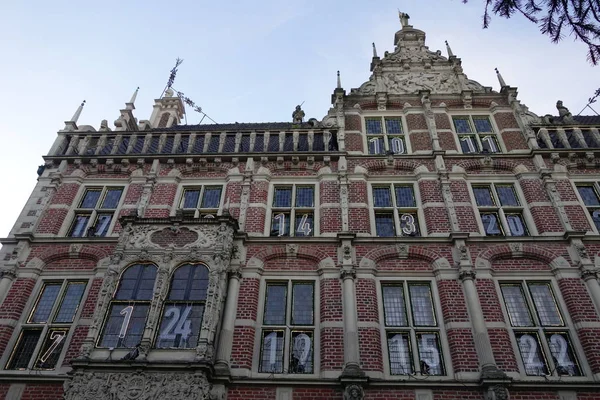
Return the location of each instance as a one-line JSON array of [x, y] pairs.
[[581, 18]]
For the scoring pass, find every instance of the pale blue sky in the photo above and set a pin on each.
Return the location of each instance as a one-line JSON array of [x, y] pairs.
[[248, 62]]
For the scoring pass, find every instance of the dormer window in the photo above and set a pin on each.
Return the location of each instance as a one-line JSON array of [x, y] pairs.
[[385, 135], [476, 134]]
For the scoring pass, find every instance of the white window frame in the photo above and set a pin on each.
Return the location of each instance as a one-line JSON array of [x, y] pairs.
[[418, 209], [272, 211], [93, 212], [495, 133], [385, 135], [589, 215], [197, 211]]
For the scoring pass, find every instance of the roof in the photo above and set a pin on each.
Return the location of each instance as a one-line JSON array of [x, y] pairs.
[[588, 119], [244, 126]]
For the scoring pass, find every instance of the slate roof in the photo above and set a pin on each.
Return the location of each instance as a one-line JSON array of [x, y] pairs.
[[258, 126], [588, 119]]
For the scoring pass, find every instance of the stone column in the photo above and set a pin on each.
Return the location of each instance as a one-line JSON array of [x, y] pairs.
[[351, 352], [7, 275], [226, 335], [590, 277]]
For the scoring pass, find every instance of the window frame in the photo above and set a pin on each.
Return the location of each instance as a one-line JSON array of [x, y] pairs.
[[198, 211], [502, 211], [540, 332], [288, 327], [385, 136], [397, 212], [94, 213], [595, 185], [495, 133], [292, 211], [45, 328]]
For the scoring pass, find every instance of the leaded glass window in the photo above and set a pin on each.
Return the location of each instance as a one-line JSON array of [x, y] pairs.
[[500, 210], [395, 208], [412, 331], [96, 211], [201, 201], [49, 322], [589, 195], [476, 134], [385, 135], [288, 317], [542, 337], [293, 210]]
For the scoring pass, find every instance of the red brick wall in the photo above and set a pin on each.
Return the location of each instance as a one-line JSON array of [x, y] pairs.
[[449, 394], [416, 121], [359, 220], [447, 141], [255, 220], [488, 299], [75, 345], [506, 120], [533, 395], [65, 194], [163, 194], [14, 304], [420, 141], [331, 300], [546, 219], [502, 348], [452, 300], [462, 350], [248, 299], [252, 393], [45, 391], [51, 220], [243, 345], [442, 121], [90, 302], [366, 300], [578, 218], [371, 358], [332, 349], [133, 194], [5, 334], [353, 123], [514, 141], [354, 142], [4, 389]]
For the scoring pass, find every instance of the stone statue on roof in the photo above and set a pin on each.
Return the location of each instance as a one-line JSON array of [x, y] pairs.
[[563, 113], [298, 115], [403, 18]]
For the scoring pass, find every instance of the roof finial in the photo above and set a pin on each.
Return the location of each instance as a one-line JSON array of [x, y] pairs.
[[130, 105], [78, 112], [374, 51], [450, 53], [339, 80], [403, 19], [500, 78]]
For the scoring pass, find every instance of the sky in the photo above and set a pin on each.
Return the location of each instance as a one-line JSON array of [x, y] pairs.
[[244, 61]]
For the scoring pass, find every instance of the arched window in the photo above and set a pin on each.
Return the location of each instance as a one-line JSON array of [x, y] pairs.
[[126, 318], [182, 315]]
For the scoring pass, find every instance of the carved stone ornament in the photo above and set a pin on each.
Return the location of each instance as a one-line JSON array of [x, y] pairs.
[[10, 273], [137, 386], [354, 392], [497, 392], [153, 237], [467, 274]]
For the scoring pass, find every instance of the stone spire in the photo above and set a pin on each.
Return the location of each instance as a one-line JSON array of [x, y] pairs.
[[131, 104], [374, 51], [339, 81], [450, 53], [71, 125], [500, 78]]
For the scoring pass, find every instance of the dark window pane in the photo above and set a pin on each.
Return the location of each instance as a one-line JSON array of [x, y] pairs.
[[409, 223], [399, 351], [304, 225], [70, 302], [275, 305], [137, 283], [43, 308], [462, 125], [211, 198], [516, 306], [546, 307], [51, 349], [507, 195], [259, 143], [90, 199], [483, 196], [125, 325], [189, 282], [213, 145], [596, 218], [229, 145], [396, 145], [393, 126], [183, 145], [588, 195], [376, 145], [288, 144], [304, 196], [101, 226], [516, 225], [271, 352], [24, 349], [112, 197], [303, 142], [468, 144], [199, 283], [318, 142], [190, 198], [422, 305], [154, 143], [180, 326], [79, 225], [123, 145], [394, 306], [490, 144], [280, 224], [482, 124], [245, 144], [199, 144], [382, 197], [282, 197], [491, 224], [273, 143], [430, 358], [302, 306], [301, 353], [405, 196], [531, 354], [384, 225], [563, 356], [373, 126]]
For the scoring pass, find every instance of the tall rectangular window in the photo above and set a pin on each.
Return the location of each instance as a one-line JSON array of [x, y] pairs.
[[385, 134], [43, 336], [395, 209], [500, 210], [202, 201], [288, 327], [96, 212], [589, 194], [542, 336], [293, 210], [475, 134], [412, 331]]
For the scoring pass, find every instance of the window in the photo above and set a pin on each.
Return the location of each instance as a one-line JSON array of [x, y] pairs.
[[500, 210], [44, 334], [96, 211], [475, 134], [411, 324], [128, 310], [182, 314], [287, 339], [395, 210], [293, 205], [542, 337], [567, 138], [589, 195], [385, 134], [201, 200]]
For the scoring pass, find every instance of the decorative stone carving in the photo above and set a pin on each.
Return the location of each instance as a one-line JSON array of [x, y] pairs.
[[402, 250], [348, 272], [137, 386], [496, 392], [354, 392], [516, 248], [173, 237], [155, 237], [467, 274], [581, 251], [291, 250], [10, 273]]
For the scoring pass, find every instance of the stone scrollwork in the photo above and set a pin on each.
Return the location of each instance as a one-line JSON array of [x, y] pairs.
[[137, 386], [354, 392]]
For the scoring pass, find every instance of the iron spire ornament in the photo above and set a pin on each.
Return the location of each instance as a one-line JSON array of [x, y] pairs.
[[500, 78]]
